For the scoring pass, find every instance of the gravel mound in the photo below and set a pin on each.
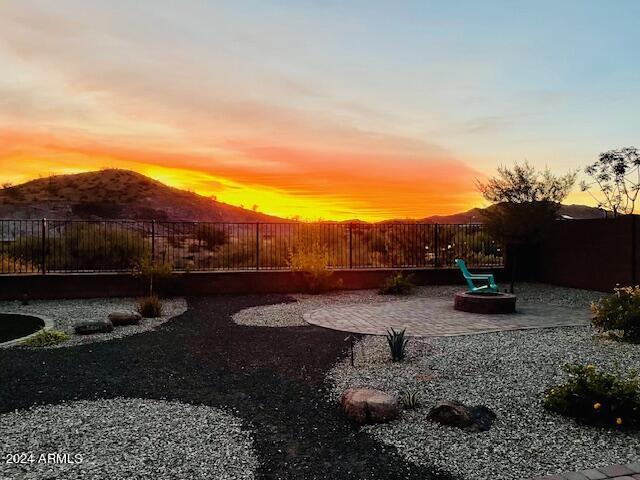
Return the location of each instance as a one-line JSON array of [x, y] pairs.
[[291, 314], [508, 372], [66, 313], [127, 439]]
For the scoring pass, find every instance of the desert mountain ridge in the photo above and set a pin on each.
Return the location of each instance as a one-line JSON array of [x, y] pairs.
[[116, 194], [124, 194]]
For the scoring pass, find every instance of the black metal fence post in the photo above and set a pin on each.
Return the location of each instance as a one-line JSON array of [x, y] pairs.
[[153, 240], [257, 245], [350, 246], [43, 259], [436, 246]]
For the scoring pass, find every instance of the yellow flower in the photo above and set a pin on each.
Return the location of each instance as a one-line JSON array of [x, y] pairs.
[[596, 406], [618, 421], [590, 367]]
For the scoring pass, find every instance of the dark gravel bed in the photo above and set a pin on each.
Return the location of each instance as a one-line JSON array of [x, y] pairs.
[[273, 379]]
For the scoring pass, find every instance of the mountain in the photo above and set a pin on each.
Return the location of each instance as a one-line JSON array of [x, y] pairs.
[[567, 212], [114, 193], [123, 194]]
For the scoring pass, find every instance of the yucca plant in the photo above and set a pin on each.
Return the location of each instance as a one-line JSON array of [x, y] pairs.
[[411, 399], [397, 344]]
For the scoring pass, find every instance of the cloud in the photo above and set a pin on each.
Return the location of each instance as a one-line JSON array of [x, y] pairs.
[[100, 85]]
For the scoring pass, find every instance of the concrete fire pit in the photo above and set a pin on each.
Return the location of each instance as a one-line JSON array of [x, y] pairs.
[[486, 303]]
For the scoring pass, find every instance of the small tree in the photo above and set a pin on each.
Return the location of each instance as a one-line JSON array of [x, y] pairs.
[[616, 174], [526, 203], [152, 271]]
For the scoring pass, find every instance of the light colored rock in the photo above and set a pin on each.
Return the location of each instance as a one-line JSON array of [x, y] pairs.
[[366, 405], [125, 318]]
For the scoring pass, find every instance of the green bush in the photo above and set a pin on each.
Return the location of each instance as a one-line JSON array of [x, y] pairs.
[[596, 397], [397, 342], [150, 307], [619, 313], [46, 338], [311, 260], [397, 284]]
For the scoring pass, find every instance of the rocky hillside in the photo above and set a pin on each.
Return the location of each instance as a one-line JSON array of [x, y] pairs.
[[110, 194], [567, 212]]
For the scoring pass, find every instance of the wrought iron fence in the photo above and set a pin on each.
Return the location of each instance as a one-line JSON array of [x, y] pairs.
[[41, 246]]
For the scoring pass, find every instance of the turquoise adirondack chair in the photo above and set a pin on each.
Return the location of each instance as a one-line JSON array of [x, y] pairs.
[[486, 280]]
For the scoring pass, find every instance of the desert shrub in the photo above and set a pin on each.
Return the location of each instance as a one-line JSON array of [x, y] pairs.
[[397, 342], [16, 265], [311, 260], [397, 284], [84, 246], [596, 397], [149, 307], [46, 338], [619, 313], [156, 273], [212, 236]]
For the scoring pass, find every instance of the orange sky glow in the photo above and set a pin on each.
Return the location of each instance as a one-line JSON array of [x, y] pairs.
[[316, 113]]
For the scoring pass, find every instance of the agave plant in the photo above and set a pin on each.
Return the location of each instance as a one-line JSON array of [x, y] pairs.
[[411, 399], [397, 344]]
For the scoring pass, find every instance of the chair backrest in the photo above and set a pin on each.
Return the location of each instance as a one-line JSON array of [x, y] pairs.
[[462, 266]]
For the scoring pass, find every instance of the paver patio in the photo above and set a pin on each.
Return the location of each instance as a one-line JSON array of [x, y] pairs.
[[426, 317], [612, 472]]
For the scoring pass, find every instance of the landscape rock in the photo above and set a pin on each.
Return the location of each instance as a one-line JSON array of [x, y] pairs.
[[365, 406], [124, 318], [93, 326], [455, 414]]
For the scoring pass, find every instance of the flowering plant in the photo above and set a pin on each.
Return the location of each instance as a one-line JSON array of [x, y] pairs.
[[619, 313], [596, 397]]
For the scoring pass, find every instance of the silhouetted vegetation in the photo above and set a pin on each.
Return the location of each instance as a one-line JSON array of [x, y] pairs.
[[211, 235], [616, 175], [83, 246], [526, 203], [397, 284]]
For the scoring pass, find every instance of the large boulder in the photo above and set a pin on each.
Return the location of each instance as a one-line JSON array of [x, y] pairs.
[[366, 405], [455, 414], [125, 318], [93, 326]]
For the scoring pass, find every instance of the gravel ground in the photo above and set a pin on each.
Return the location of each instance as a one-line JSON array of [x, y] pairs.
[[290, 314], [507, 371], [66, 313], [127, 438], [273, 379]]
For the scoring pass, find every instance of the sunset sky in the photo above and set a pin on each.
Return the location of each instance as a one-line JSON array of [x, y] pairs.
[[323, 109]]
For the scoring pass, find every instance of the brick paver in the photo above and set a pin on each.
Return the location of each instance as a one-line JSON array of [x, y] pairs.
[[426, 317], [611, 472]]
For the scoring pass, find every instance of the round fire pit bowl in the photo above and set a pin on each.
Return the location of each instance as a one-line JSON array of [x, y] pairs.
[[485, 303]]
